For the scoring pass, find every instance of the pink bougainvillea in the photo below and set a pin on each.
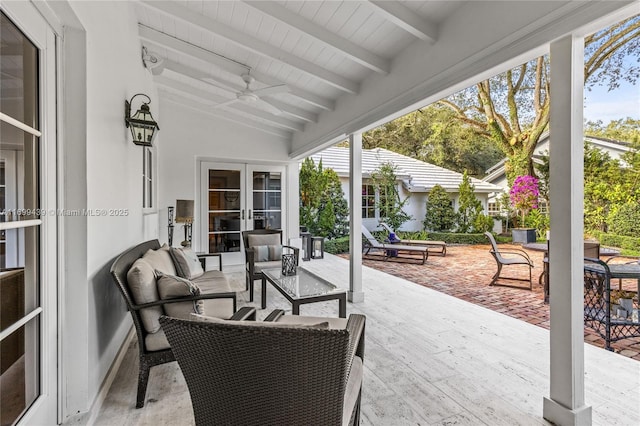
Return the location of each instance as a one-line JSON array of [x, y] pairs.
[[524, 194]]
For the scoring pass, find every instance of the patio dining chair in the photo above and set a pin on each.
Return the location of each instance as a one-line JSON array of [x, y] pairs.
[[511, 257], [295, 371], [262, 250]]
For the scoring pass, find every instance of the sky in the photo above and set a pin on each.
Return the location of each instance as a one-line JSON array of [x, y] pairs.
[[623, 102]]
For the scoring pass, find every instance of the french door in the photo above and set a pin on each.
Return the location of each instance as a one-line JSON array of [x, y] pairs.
[[28, 268], [235, 198]]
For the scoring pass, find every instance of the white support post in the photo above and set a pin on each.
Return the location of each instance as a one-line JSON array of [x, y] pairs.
[[566, 404], [355, 218]]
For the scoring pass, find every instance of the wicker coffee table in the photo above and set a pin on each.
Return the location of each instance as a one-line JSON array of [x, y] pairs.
[[304, 287]]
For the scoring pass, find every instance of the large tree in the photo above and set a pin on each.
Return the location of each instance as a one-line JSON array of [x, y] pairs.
[[513, 108], [433, 134]]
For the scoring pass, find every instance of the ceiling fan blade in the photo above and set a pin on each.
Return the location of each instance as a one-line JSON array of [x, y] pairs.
[[222, 85], [268, 107], [271, 90], [225, 103]]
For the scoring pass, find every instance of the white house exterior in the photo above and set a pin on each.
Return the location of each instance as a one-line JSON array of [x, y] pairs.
[[346, 67], [415, 180]]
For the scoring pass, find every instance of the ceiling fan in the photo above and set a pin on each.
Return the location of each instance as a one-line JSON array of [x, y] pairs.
[[254, 97]]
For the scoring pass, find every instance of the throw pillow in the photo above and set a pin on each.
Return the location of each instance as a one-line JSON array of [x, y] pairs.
[[141, 279], [267, 253], [160, 260], [187, 263], [172, 287]]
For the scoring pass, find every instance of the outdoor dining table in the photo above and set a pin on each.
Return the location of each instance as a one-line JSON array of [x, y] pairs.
[[604, 251]]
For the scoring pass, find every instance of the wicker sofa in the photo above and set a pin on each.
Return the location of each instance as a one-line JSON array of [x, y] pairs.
[[143, 301]]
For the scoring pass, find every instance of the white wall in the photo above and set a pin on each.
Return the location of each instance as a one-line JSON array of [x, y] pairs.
[[190, 136], [95, 321], [415, 207]]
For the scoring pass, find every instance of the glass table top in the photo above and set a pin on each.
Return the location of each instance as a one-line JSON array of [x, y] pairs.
[[302, 285]]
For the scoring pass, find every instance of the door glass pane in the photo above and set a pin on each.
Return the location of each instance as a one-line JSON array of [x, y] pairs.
[[19, 200], [267, 200], [224, 211], [20, 375]]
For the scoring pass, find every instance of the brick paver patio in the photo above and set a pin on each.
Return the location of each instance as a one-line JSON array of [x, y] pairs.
[[466, 271]]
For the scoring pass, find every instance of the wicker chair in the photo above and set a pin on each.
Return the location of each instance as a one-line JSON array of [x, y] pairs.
[[599, 312], [254, 268], [149, 358], [515, 257], [251, 374]]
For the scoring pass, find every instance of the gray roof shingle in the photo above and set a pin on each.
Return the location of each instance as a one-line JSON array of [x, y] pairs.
[[416, 175]]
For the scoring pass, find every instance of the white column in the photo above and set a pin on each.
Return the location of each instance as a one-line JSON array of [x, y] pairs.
[[355, 218], [566, 405]]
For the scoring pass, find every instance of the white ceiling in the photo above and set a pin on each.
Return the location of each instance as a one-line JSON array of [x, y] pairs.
[[345, 64]]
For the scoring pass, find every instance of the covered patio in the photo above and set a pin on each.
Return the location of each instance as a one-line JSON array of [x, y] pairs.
[[245, 90], [430, 359]]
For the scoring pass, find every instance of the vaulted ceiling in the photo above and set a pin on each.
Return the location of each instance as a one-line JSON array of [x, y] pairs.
[[311, 71]]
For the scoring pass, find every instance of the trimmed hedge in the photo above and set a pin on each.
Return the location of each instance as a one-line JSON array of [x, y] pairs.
[[337, 246], [625, 243], [447, 237], [341, 245]]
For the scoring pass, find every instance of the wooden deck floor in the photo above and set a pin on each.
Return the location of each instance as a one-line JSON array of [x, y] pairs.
[[430, 359]]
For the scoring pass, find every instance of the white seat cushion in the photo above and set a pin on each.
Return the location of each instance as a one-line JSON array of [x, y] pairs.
[[261, 266], [215, 282]]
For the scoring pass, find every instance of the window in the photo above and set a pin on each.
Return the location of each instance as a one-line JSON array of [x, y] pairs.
[[368, 202], [147, 178], [494, 209], [543, 206]]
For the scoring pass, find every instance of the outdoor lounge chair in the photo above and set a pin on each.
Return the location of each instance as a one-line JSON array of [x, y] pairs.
[[439, 247], [516, 257], [395, 251], [287, 370]]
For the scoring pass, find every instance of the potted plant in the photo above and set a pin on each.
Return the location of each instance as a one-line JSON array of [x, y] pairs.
[[524, 197]]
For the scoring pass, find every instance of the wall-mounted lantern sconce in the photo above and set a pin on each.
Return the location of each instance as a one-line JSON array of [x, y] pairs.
[[143, 126]]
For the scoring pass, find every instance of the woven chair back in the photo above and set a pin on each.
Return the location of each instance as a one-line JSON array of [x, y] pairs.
[[258, 375]]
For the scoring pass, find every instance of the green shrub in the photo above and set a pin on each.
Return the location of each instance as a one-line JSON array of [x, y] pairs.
[[538, 220], [482, 224], [630, 245], [469, 207], [439, 210], [625, 220], [337, 245], [447, 237]]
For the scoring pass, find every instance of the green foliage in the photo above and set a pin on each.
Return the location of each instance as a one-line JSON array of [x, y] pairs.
[[337, 246], [388, 202], [482, 224], [439, 213], [432, 134], [607, 186], [447, 237], [538, 220], [630, 245], [624, 129], [323, 208], [625, 220], [469, 206]]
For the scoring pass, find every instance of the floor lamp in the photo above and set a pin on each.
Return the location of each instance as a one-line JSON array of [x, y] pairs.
[[184, 214]]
